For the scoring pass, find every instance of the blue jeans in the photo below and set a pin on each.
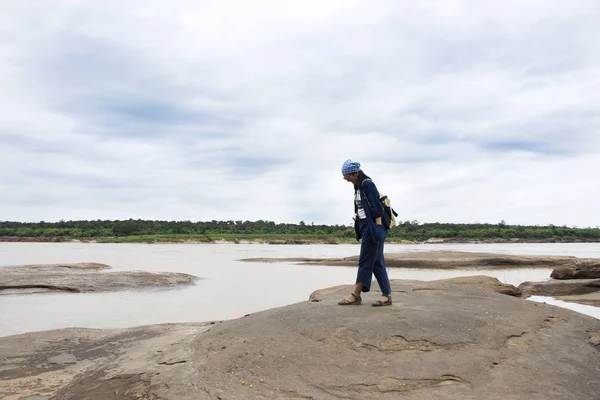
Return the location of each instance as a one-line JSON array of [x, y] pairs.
[[371, 261]]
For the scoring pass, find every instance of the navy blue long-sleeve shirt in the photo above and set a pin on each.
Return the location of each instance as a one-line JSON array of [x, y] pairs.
[[373, 208]]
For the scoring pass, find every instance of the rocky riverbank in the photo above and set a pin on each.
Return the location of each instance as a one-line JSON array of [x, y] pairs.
[[452, 339]]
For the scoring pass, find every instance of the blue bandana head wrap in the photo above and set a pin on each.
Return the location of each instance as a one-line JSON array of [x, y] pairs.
[[350, 167]]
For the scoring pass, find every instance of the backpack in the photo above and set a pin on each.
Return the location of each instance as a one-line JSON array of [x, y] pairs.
[[389, 214]]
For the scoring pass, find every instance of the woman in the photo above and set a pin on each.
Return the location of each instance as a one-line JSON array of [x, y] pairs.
[[369, 212]]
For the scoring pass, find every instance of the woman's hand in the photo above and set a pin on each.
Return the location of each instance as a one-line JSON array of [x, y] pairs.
[[380, 233]]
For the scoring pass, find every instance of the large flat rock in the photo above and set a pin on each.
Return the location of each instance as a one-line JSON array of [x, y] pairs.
[[439, 340], [83, 277], [75, 267], [441, 260]]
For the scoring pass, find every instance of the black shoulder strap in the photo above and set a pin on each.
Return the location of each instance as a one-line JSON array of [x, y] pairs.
[[362, 193]]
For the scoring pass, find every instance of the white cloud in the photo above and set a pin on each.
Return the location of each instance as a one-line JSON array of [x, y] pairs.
[[461, 111]]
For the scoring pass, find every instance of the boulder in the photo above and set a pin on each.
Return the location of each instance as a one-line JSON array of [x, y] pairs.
[[581, 269], [581, 291], [555, 288], [439, 340]]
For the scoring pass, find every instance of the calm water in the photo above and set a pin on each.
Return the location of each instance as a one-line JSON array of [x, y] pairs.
[[228, 288]]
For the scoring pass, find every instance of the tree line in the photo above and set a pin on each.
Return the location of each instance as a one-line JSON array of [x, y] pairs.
[[211, 230]]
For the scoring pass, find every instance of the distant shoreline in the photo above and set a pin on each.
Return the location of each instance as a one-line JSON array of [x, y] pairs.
[[296, 241]]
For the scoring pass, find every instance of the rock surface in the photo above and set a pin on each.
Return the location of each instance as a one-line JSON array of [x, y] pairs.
[[580, 269], [83, 277], [560, 288], [439, 340], [59, 267], [441, 260], [582, 291]]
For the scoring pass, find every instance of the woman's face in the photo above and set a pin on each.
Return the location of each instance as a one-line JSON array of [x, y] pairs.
[[352, 178]]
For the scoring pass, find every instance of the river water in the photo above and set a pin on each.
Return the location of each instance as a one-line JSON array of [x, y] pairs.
[[229, 288]]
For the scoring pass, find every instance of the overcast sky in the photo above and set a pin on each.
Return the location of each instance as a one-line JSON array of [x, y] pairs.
[[461, 111]]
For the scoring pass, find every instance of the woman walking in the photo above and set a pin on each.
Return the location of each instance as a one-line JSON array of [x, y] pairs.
[[368, 213]]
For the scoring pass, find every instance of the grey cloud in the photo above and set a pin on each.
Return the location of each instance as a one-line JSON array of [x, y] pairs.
[[119, 91]]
